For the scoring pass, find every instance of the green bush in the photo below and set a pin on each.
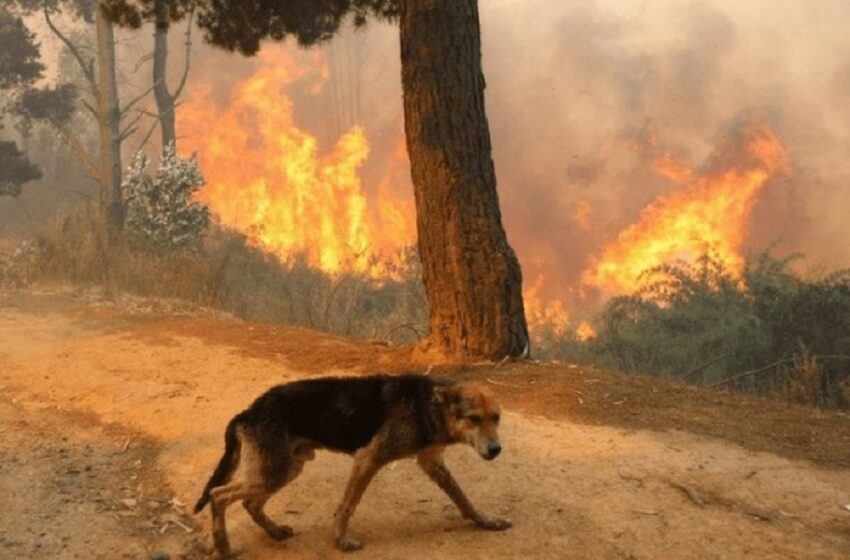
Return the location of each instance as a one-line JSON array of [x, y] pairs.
[[766, 332]]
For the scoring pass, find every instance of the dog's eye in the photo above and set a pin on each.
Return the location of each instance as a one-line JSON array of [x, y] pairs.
[[496, 418], [474, 419]]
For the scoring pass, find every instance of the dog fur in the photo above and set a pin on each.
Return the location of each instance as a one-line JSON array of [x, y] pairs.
[[377, 419]]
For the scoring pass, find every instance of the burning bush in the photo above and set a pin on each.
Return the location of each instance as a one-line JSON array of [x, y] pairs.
[[767, 330]]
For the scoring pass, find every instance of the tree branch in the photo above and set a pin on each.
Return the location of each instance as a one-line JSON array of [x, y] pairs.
[[700, 368], [148, 135], [131, 125], [139, 97], [744, 374], [188, 43], [95, 113], [88, 69], [77, 147]]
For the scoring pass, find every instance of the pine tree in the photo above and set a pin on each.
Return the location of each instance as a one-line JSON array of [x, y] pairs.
[[20, 67]]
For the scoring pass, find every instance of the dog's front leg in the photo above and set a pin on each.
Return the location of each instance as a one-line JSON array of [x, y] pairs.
[[432, 463], [366, 464]]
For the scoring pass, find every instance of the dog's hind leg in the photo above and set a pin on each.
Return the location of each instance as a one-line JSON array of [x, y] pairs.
[[248, 483], [220, 498], [255, 506], [431, 462], [279, 468]]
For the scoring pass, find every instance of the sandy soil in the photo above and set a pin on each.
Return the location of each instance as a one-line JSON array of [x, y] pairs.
[[111, 418]]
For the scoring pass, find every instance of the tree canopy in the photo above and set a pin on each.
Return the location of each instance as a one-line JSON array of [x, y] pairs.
[[241, 26], [20, 67]]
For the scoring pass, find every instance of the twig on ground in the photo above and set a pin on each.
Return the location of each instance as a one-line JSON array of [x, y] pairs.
[[503, 384], [691, 492]]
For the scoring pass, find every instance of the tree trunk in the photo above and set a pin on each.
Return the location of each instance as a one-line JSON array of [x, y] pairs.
[[112, 200], [164, 99], [471, 275]]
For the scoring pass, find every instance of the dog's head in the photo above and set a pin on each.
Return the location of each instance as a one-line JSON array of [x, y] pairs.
[[472, 416]]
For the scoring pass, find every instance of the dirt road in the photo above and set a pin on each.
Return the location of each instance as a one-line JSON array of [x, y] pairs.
[[111, 418]]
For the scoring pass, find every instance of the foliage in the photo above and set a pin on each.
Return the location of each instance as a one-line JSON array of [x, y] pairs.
[[768, 331], [15, 169], [161, 214], [55, 105], [19, 58], [19, 69], [242, 25]]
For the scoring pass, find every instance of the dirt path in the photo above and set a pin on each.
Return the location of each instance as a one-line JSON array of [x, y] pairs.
[[143, 406]]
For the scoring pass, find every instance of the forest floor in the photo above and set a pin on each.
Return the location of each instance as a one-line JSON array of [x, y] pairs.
[[112, 412]]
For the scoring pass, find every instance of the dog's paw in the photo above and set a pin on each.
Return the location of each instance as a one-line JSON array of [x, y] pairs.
[[280, 532], [348, 543], [492, 523]]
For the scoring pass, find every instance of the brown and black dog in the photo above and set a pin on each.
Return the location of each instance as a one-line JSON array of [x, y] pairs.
[[378, 419]]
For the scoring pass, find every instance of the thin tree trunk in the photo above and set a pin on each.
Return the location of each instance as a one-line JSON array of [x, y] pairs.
[[164, 99], [112, 199], [472, 277]]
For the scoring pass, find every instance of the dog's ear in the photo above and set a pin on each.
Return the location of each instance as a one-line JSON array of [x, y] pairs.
[[446, 394]]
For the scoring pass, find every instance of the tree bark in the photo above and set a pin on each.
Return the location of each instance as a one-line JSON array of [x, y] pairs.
[[112, 199], [164, 99], [471, 275]]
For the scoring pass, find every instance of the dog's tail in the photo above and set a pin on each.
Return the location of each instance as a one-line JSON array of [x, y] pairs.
[[224, 470]]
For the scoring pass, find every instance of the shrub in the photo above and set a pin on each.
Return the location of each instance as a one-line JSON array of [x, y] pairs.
[[161, 214], [769, 331]]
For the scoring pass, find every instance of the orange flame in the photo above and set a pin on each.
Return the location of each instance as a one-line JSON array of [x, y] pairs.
[[266, 177], [585, 331], [544, 313], [710, 213]]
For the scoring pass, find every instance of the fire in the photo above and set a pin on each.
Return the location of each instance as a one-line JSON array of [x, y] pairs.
[[267, 178], [544, 313], [582, 214], [585, 331], [709, 213]]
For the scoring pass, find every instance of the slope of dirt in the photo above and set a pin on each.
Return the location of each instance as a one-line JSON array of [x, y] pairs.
[[73, 488], [595, 465]]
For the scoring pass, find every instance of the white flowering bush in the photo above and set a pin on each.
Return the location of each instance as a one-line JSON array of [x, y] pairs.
[[161, 214]]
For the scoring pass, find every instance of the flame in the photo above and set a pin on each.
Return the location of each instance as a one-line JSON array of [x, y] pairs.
[[544, 313], [585, 331], [709, 213], [267, 178], [666, 166], [582, 213]]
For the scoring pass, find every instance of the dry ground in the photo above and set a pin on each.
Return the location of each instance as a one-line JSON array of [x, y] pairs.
[[112, 413]]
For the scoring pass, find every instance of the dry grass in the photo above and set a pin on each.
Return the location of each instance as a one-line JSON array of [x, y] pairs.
[[227, 273]]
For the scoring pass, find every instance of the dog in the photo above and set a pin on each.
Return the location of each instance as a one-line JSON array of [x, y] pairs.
[[377, 419]]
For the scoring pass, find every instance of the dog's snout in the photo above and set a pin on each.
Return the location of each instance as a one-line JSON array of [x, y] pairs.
[[493, 450]]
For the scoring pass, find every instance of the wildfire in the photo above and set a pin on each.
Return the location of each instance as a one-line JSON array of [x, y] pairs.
[[709, 213], [540, 313], [266, 177]]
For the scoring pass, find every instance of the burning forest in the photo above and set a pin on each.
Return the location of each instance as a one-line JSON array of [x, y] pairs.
[[611, 232], [306, 178]]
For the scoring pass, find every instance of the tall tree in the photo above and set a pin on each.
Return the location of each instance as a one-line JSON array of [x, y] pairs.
[[101, 85], [109, 121], [162, 13], [472, 277]]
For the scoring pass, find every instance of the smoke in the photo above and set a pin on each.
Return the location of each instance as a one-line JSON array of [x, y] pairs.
[[581, 105]]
